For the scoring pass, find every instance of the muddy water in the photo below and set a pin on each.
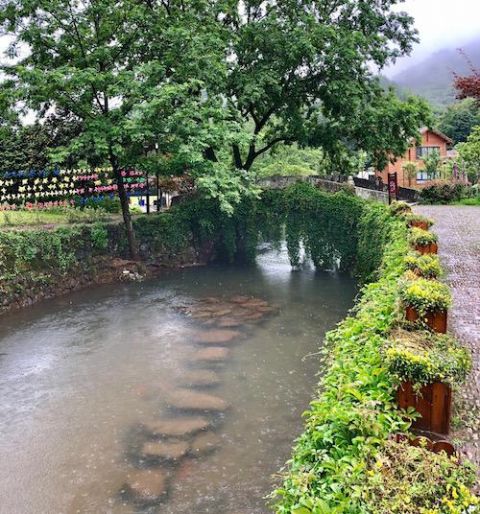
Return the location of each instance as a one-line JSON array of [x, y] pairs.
[[80, 375]]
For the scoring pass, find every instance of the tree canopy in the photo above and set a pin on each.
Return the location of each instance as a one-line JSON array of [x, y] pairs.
[[213, 84]]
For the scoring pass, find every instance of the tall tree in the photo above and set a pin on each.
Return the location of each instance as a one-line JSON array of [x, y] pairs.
[[101, 62], [458, 120], [297, 68]]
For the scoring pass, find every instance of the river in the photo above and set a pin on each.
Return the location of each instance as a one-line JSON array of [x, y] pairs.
[[84, 378]]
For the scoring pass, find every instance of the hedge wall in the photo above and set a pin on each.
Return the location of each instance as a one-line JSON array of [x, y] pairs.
[[346, 460]]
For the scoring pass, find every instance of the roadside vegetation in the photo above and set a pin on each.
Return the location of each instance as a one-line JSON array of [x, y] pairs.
[[348, 459]]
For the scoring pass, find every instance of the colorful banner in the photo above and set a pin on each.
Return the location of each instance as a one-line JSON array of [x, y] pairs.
[[52, 188]]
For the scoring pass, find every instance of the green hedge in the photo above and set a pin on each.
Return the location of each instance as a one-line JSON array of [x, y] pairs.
[[345, 462]]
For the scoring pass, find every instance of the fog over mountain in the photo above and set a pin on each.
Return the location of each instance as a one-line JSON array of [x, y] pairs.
[[433, 77]]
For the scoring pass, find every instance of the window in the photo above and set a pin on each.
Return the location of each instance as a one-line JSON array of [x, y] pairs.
[[424, 151], [422, 176]]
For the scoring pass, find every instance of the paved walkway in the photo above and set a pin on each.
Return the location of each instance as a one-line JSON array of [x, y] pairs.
[[458, 229]]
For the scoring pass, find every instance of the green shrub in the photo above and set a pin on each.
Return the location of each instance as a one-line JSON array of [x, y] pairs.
[[397, 208], [344, 462], [426, 266], [426, 295], [411, 218], [420, 237], [423, 358], [445, 193], [404, 479]]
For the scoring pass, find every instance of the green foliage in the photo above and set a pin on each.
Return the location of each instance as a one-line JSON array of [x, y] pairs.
[[444, 193], [423, 358], [323, 224], [404, 479], [426, 266], [410, 170], [469, 155], [432, 164], [411, 219], [425, 295], [344, 462], [99, 235], [290, 160], [458, 120], [400, 208], [110, 205], [420, 237], [354, 413]]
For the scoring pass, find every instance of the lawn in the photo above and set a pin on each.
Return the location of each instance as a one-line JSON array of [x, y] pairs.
[[56, 217]]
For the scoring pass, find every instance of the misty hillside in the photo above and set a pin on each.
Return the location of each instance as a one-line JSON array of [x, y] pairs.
[[433, 77]]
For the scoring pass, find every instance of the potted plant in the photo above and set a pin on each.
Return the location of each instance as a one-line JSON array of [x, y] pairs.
[[426, 265], [423, 241], [400, 208], [426, 366], [427, 301], [415, 220]]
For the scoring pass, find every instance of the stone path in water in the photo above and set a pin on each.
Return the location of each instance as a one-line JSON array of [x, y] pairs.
[[458, 228], [193, 411]]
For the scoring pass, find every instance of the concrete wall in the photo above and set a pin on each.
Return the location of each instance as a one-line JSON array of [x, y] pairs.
[[371, 194], [281, 182]]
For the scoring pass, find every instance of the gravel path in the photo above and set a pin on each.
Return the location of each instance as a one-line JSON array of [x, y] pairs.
[[458, 229]]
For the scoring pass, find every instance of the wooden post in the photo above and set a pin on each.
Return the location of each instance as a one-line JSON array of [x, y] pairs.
[[148, 196], [433, 402], [392, 187]]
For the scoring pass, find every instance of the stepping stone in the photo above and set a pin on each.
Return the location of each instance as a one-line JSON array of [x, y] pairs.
[[180, 427], [202, 315], [193, 400], [240, 299], [146, 486], [165, 450], [204, 444], [216, 336], [201, 378], [229, 323], [211, 354], [254, 316]]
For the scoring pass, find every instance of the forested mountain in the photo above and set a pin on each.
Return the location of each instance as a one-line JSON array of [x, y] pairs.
[[433, 77]]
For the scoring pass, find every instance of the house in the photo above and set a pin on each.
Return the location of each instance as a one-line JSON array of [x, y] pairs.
[[432, 141]]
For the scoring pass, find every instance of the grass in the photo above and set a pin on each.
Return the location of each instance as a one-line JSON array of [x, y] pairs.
[[10, 219], [469, 201]]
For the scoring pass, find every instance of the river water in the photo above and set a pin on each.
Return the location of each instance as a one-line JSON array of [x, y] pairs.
[[82, 376]]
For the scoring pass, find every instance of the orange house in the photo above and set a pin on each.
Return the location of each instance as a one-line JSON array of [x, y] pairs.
[[432, 140]]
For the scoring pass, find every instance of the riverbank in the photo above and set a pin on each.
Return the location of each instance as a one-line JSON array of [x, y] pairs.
[[37, 264], [459, 231], [358, 452]]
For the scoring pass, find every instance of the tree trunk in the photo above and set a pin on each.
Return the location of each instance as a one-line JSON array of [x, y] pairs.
[[127, 218]]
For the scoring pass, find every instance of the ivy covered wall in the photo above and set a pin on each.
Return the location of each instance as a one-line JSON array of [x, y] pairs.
[[332, 229]]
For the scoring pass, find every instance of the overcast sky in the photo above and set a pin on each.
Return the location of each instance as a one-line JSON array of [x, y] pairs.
[[442, 24]]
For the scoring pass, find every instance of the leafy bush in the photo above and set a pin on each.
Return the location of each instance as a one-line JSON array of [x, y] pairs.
[[411, 219], [426, 266], [397, 208], [404, 479], [444, 193], [344, 462], [423, 358], [420, 237], [426, 295]]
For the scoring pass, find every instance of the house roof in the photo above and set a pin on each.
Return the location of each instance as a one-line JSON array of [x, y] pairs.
[[437, 133]]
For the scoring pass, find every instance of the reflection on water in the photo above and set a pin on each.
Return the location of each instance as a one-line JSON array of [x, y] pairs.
[[82, 377]]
